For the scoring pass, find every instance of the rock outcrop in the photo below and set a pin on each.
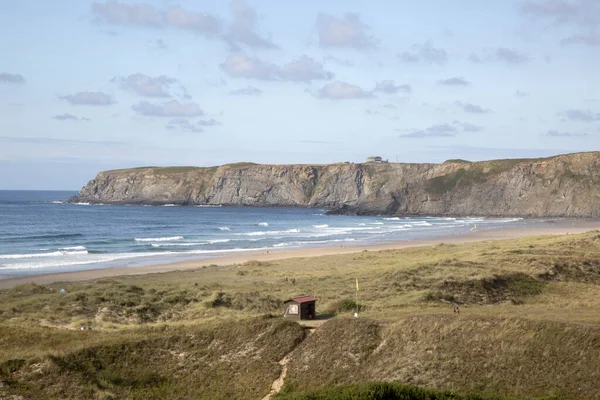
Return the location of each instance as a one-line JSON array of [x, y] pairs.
[[560, 186]]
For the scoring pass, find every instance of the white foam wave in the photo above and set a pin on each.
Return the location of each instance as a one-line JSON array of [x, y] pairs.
[[58, 202], [285, 244], [421, 223], [270, 232], [392, 219], [377, 223], [321, 226], [163, 239], [40, 255], [224, 228], [208, 205], [82, 204], [119, 256], [76, 248], [170, 205], [263, 224], [190, 244], [219, 241]]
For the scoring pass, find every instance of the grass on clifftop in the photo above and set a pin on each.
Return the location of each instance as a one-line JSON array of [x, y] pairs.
[[528, 326]]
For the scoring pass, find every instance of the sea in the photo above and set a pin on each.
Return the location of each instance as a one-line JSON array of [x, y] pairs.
[[41, 233]]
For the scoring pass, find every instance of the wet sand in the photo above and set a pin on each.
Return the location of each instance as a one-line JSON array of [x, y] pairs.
[[553, 227]]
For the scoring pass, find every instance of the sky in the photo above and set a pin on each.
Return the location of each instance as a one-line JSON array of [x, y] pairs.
[[88, 86]]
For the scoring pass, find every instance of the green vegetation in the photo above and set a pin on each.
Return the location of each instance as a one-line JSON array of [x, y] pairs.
[[527, 328], [478, 172], [457, 161], [445, 183], [514, 287], [230, 360], [379, 391], [241, 165], [175, 170]]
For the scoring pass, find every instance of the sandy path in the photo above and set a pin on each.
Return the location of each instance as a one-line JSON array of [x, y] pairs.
[[556, 227], [278, 383]]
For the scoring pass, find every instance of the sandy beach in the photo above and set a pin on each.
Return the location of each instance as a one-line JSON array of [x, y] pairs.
[[553, 227]]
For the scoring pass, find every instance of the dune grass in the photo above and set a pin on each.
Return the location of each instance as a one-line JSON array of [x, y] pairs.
[[528, 326]]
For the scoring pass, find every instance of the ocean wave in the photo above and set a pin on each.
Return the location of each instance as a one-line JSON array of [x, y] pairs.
[[224, 228], [40, 255], [76, 248], [58, 202], [270, 232], [43, 237], [263, 224], [190, 244], [82, 204], [285, 244], [377, 223], [161, 239], [392, 219], [68, 263], [208, 205], [321, 226], [421, 223], [215, 241], [170, 205], [120, 256]]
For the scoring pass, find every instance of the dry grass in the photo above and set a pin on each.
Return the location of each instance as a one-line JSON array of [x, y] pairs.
[[530, 311], [462, 354]]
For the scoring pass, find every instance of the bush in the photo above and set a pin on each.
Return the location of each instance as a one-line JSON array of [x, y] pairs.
[[375, 391]]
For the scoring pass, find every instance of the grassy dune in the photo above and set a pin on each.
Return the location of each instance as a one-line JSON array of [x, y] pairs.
[[528, 327]]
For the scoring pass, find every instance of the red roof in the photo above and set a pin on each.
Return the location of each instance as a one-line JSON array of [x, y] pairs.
[[302, 299]]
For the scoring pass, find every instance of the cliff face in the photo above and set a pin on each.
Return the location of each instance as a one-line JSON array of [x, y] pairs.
[[561, 186]]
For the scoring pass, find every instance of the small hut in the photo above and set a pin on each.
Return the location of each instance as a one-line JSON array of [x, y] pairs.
[[301, 307]]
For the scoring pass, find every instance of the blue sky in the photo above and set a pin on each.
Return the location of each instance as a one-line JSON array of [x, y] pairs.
[[93, 85]]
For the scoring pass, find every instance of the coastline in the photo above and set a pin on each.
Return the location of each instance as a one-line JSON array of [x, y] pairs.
[[554, 227]]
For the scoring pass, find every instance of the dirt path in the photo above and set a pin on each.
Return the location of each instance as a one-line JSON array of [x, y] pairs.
[[278, 383]]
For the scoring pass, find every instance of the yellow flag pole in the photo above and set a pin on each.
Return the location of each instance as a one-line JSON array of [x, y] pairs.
[[356, 314]]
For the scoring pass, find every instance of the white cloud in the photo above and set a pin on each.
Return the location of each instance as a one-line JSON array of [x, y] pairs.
[[342, 90], [198, 22], [243, 28], [438, 130], [347, 31], [456, 81], [472, 108], [390, 87], [89, 98], [580, 115], [500, 54], [304, 69], [246, 91], [170, 109], [141, 14], [241, 66], [147, 86], [69, 117], [424, 53], [6, 77]]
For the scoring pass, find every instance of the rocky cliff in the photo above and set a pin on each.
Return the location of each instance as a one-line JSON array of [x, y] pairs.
[[560, 186]]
